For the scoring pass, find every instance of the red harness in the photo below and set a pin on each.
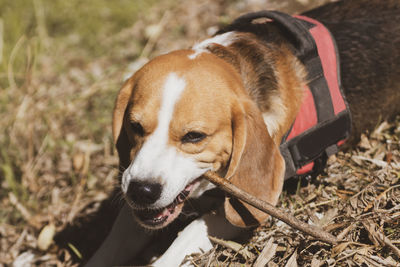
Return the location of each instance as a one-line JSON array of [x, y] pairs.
[[307, 116], [323, 122]]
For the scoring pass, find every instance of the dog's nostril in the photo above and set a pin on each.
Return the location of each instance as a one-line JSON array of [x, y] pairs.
[[143, 193]]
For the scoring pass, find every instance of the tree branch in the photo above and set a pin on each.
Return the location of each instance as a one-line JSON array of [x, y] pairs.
[[289, 219]]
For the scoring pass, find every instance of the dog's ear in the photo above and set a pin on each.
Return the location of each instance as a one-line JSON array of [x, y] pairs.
[[119, 134], [256, 165]]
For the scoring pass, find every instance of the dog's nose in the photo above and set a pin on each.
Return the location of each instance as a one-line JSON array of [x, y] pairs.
[[143, 193]]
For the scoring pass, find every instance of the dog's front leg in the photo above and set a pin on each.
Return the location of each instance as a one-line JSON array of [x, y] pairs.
[[125, 240], [194, 239]]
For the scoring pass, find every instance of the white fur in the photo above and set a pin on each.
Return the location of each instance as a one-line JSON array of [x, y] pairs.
[[224, 39], [275, 115], [193, 239], [159, 162], [204, 186]]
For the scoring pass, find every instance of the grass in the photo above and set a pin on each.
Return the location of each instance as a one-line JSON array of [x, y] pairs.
[[44, 85], [57, 88]]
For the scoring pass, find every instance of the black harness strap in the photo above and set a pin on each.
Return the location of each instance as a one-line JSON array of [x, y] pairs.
[[304, 43]]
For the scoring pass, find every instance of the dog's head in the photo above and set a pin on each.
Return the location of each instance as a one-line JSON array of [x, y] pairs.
[[179, 117]]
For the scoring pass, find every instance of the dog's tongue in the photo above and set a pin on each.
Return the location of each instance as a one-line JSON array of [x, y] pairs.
[[167, 211]]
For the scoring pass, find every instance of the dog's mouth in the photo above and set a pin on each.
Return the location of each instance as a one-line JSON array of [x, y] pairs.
[[159, 218]]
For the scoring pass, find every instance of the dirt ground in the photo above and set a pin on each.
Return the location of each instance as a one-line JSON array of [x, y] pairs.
[[59, 77]]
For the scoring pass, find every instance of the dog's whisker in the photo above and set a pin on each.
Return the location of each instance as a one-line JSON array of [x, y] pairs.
[[118, 199]]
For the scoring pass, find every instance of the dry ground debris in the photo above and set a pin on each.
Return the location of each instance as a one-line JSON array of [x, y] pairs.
[[61, 66]]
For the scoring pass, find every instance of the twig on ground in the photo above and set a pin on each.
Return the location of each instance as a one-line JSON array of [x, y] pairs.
[[271, 210]]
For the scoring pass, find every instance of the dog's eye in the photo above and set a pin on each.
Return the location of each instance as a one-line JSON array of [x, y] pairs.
[[137, 128], [193, 137]]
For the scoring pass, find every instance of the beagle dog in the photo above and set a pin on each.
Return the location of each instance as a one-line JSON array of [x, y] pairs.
[[225, 106]]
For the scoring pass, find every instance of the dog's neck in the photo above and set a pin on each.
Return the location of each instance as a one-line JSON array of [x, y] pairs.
[[271, 75], [253, 62]]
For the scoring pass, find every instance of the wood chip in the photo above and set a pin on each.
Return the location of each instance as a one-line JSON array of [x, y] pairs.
[[232, 245], [24, 259], [266, 254], [316, 262], [24, 212], [377, 237], [336, 250], [380, 163], [46, 237], [292, 260]]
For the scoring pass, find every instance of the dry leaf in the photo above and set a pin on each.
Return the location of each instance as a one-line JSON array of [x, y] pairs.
[[378, 162], [46, 237], [32, 220], [316, 262], [153, 31], [272, 264], [266, 254], [232, 245], [25, 259], [346, 231], [292, 260], [378, 238], [78, 161], [372, 233], [328, 217], [336, 250], [364, 142], [310, 197], [360, 260]]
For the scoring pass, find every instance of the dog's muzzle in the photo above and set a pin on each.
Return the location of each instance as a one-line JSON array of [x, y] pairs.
[[141, 195]]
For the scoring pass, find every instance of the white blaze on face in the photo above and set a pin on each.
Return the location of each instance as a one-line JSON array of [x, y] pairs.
[[157, 161]]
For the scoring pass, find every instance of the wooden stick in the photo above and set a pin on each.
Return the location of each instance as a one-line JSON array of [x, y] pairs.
[[289, 219]]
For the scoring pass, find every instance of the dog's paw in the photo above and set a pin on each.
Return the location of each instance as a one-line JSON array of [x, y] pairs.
[[193, 239]]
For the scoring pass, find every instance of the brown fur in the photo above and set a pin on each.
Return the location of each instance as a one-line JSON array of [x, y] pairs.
[[254, 155], [267, 71], [139, 100], [225, 113], [233, 89]]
